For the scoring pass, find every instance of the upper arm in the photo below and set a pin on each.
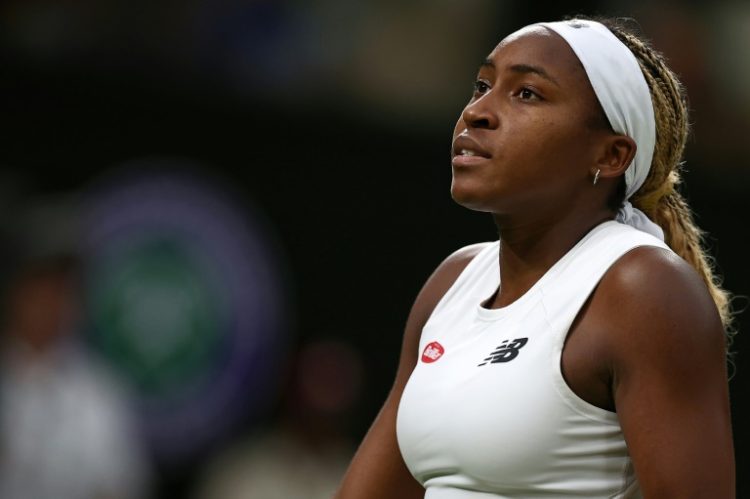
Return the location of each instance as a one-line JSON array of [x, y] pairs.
[[377, 469], [668, 365]]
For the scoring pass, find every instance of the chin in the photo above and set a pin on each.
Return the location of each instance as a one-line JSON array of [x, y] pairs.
[[472, 199]]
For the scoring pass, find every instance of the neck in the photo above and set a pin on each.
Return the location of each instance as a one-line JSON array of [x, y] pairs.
[[529, 248]]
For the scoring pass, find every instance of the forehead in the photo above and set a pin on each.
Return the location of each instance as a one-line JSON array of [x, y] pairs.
[[539, 46]]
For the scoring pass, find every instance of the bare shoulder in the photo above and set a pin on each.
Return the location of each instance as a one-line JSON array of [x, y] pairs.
[[655, 307], [654, 286]]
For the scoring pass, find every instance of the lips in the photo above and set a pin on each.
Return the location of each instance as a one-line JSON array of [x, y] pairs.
[[467, 151]]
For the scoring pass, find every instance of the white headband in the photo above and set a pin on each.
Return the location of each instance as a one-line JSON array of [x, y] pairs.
[[623, 93], [619, 85]]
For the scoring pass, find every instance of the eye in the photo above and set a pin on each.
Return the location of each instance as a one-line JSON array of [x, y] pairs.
[[481, 87], [526, 94]]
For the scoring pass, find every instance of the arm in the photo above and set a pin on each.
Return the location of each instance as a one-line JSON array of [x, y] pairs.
[[377, 469], [669, 381]]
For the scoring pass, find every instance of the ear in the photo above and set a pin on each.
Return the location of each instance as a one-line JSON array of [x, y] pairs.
[[617, 153]]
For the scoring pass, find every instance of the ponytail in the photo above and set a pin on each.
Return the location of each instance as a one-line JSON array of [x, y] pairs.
[[659, 197]]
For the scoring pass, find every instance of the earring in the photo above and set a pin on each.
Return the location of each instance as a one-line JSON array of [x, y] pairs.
[[596, 176]]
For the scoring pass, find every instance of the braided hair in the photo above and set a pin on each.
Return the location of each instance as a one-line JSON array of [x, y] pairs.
[[659, 197]]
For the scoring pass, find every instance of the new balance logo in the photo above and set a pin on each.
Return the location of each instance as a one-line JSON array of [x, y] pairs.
[[507, 351]]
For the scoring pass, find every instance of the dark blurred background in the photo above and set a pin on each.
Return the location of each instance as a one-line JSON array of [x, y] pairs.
[[225, 209]]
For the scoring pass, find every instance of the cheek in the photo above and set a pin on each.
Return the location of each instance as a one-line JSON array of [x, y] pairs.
[[550, 143], [538, 156]]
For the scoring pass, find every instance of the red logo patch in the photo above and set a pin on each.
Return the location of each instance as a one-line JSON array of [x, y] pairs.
[[432, 352]]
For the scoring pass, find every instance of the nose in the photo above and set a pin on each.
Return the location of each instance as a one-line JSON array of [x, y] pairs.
[[480, 113]]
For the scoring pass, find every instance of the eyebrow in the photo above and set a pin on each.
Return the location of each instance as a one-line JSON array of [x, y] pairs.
[[524, 69]]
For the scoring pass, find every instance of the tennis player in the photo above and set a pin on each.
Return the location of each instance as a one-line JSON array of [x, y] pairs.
[[583, 355]]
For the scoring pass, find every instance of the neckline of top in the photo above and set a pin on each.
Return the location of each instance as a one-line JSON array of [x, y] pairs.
[[492, 314]]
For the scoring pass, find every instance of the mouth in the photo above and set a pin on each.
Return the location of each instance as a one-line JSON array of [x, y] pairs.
[[467, 151]]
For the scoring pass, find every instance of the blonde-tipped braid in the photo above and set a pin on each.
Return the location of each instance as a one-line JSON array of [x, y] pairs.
[[659, 197]]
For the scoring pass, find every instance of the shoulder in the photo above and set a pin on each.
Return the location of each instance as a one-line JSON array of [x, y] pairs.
[[653, 279], [654, 305], [665, 354], [457, 261], [434, 289], [446, 274]]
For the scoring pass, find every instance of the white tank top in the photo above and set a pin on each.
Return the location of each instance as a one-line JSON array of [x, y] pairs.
[[487, 413]]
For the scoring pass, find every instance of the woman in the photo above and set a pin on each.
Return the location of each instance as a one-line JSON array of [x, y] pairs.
[[597, 368]]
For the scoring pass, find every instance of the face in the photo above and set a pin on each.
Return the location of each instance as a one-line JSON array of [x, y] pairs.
[[525, 140]]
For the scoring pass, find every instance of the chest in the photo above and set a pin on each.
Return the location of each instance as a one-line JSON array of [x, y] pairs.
[[480, 389]]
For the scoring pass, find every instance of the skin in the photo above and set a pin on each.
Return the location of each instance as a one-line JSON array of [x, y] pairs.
[[647, 344]]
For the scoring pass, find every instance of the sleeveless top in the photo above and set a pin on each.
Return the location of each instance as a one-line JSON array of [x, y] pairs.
[[487, 413]]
